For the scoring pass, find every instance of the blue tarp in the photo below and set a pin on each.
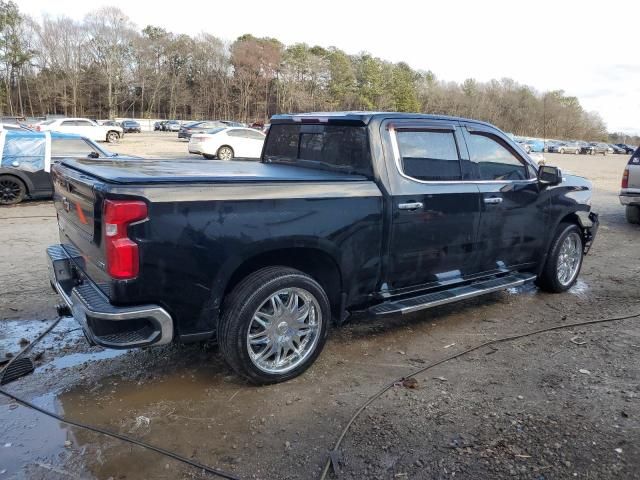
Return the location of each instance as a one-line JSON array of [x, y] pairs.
[[28, 150]]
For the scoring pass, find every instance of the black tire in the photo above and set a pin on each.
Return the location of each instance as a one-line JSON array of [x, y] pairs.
[[12, 190], [632, 212], [112, 136], [208, 157], [548, 278], [240, 307], [225, 152]]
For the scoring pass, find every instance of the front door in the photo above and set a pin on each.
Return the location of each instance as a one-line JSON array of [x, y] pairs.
[[513, 213], [434, 213]]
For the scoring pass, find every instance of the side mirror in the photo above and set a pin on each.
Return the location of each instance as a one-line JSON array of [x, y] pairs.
[[548, 175], [93, 155]]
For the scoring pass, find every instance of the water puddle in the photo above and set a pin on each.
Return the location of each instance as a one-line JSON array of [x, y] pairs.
[[76, 359], [580, 289]]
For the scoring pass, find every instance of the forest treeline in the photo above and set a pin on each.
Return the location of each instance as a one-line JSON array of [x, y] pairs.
[[105, 67]]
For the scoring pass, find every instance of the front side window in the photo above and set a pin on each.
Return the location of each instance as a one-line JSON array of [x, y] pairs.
[[492, 160], [429, 155], [84, 123]]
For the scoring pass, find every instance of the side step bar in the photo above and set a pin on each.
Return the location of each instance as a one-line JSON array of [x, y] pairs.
[[429, 300]]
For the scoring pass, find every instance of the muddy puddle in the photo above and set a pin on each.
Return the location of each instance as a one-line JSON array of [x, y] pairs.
[[185, 399]]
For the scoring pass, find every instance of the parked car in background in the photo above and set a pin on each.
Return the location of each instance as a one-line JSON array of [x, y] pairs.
[[616, 149], [347, 212], [535, 145], [564, 147], [84, 127], [593, 148], [227, 143], [204, 126], [130, 126], [24, 168], [627, 148], [524, 145], [172, 126], [111, 123], [630, 188]]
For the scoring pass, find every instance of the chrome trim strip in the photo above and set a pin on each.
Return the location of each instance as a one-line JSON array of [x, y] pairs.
[[629, 200], [252, 191]]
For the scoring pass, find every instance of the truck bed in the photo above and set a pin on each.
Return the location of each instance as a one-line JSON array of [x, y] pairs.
[[155, 171]]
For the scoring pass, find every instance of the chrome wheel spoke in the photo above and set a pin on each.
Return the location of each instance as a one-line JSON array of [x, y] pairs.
[[569, 256], [284, 330]]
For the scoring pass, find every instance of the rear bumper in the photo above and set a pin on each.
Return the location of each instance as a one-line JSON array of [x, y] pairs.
[[105, 324], [630, 199]]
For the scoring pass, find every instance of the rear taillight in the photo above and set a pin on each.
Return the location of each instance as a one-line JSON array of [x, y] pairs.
[[123, 262], [625, 178]]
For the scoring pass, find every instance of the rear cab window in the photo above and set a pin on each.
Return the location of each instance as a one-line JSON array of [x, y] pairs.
[[429, 155], [341, 148]]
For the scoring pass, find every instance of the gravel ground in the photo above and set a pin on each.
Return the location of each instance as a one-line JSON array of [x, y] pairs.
[[558, 405]]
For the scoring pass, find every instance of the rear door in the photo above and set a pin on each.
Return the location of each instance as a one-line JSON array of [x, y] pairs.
[[513, 211], [435, 213]]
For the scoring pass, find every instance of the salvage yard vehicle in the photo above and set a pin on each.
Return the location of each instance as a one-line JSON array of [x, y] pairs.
[[564, 147], [595, 147], [24, 167], [83, 126], [227, 143], [630, 191], [346, 212]]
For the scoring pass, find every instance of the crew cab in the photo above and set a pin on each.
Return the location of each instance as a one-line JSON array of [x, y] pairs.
[[630, 191], [381, 213]]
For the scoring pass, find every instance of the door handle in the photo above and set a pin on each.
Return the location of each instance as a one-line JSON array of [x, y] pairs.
[[410, 206], [493, 200]]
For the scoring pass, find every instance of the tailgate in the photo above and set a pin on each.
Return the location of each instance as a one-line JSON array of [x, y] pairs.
[[78, 220], [634, 170]]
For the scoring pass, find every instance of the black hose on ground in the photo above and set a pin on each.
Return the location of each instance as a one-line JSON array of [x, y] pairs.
[[332, 460], [124, 438]]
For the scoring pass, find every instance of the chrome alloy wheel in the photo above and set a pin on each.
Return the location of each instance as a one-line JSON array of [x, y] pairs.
[[569, 259], [225, 153], [284, 330]]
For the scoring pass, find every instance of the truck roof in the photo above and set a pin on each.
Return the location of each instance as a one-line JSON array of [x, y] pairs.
[[361, 117]]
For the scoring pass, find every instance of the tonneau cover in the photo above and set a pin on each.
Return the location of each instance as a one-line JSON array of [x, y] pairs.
[[151, 171]]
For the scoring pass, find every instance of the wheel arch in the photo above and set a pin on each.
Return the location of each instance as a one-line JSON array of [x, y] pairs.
[[312, 260], [20, 176]]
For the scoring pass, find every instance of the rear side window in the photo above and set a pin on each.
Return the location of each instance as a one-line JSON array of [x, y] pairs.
[[492, 160], [343, 148], [429, 155], [72, 147]]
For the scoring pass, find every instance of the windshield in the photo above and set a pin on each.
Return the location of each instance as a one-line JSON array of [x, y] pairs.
[[327, 147]]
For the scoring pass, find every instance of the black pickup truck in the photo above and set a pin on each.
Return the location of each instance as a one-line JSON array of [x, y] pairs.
[[346, 212]]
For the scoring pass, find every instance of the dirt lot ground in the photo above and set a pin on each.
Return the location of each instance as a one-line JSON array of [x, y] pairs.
[[559, 405]]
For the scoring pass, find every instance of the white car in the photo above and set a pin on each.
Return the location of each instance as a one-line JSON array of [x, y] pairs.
[[83, 126], [226, 143]]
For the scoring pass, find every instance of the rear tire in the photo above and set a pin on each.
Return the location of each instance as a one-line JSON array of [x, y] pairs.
[[555, 278], [112, 136], [632, 212], [12, 190], [256, 327], [225, 153]]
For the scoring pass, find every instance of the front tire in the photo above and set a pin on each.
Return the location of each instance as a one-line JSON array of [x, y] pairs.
[[564, 261], [12, 190], [274, 325], [112, 136], [561, 151], [632, 212], [225, 153]]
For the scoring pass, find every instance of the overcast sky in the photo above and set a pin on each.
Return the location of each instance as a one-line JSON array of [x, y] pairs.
[[587, 48]]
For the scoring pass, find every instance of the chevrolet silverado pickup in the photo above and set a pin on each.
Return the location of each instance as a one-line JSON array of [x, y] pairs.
[[381, 213]]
